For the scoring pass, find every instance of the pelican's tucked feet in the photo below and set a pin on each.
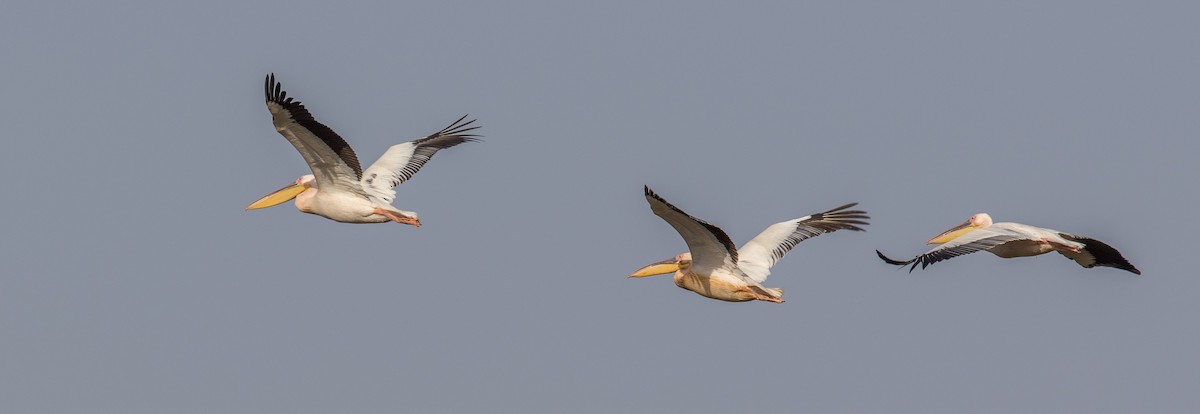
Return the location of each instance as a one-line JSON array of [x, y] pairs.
[[769, 299], [396, 217]]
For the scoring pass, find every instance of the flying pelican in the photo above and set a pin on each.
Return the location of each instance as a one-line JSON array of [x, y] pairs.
[[714, 268], [346, 192], [1009, 240]]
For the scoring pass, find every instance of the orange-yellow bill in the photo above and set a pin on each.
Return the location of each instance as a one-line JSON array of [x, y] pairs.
[[280, 196], [954, 233], [657, 268]]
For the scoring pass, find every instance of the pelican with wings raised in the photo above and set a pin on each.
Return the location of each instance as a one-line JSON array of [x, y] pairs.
[[338, 188], [1009, 240], [713, 267]]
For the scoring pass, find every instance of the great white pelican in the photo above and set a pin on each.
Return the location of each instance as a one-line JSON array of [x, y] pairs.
[[338, 188], [714, 268], [1008, 240]]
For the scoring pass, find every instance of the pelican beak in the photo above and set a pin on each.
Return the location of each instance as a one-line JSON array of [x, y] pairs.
[[657, 268], [279, 196], [954, 233]]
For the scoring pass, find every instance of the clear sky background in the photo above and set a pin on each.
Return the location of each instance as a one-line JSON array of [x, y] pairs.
[[135, 132]]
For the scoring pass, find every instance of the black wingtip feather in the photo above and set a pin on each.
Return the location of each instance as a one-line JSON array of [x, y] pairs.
[[892, 261], [843, 207], [1107, 255], [458, 127], [450, 136], [840, 219]]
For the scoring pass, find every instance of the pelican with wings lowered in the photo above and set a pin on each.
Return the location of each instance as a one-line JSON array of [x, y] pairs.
[[714, 268], [1009, 240], [338, 188]]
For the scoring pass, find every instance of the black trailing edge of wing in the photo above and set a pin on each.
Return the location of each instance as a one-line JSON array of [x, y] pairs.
[[716, 231], [276, 94]]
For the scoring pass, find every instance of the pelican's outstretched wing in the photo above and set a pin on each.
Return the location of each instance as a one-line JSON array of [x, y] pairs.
[[757, 256], [1097, 253], [331, 159], [711, 248], [971, 242], [402, 161]]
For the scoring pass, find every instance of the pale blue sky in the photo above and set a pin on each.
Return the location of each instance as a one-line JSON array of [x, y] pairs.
[[135, 283]]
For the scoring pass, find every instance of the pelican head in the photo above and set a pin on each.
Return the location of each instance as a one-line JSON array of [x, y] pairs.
[[977, 221], [672, 265], [286, 193]]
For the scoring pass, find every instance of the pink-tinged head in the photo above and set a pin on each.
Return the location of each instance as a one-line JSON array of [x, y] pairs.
[[977, 221], [307, 180]]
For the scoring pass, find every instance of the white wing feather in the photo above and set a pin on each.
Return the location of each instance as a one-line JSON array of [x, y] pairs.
[[757, 256], [400, 162]]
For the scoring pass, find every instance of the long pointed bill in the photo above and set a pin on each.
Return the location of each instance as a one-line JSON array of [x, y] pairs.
[[657, 268], [954, 233], [280, 196]]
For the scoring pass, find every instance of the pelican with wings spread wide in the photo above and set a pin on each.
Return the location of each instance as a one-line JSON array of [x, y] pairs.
[[338, 188], [1009, 240], [714, 268]]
